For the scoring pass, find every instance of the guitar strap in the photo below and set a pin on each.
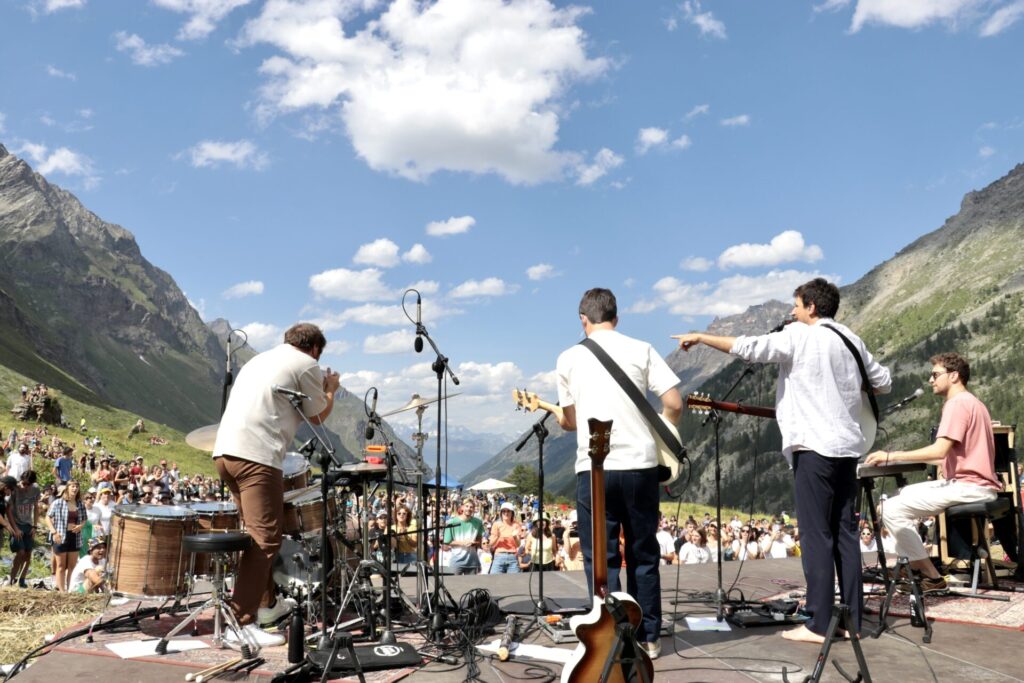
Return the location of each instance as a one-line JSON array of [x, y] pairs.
[[865, 383], [667, 437]]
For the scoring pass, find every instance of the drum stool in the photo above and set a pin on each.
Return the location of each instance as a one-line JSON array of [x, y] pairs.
[[220, 546], [979, 515]]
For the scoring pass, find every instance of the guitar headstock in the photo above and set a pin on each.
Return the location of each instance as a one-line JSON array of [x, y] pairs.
[[600, 440], [527, 400], [699, 403]]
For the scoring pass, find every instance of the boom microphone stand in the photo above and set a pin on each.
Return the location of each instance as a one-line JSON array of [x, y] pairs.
[[388, 636], [540, 607], [440, 367]]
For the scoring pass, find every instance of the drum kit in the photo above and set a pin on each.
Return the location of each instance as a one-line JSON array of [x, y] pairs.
[[146, 559]]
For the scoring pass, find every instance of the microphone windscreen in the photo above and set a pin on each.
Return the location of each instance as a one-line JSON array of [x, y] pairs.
[[418, 344]]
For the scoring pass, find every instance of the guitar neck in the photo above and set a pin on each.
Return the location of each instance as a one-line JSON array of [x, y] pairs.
[[600, 563], [700, 403]]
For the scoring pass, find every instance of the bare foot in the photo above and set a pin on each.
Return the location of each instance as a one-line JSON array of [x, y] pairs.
[[802, 634]]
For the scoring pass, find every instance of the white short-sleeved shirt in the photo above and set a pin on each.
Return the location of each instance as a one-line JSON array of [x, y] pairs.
[[585, 383], [84, 564], [259, 424]]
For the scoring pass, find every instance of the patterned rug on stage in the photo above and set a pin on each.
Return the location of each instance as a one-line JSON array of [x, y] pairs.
[[957, 608], [149, 628]]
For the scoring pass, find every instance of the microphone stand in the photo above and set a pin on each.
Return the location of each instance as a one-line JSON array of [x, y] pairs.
[[540, 607], [387, 637], [440, 367]]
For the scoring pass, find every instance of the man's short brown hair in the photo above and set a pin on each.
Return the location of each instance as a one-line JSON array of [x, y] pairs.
[[953, 362], [304, 336], [599, 306], [822, 293]]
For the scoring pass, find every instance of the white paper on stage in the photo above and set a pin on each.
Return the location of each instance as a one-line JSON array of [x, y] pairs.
[[129, 649], [707, 624], [558, 655]]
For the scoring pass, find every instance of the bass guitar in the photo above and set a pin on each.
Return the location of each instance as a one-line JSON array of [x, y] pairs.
[[666, 457], [607, 634]]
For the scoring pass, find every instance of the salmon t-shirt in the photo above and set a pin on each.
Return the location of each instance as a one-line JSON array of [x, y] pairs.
[[966, 422]]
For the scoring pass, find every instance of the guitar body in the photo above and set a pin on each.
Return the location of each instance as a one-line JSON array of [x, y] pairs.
[[598, 631]]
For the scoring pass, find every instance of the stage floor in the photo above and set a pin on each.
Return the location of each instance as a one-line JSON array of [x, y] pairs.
[[958, 652]]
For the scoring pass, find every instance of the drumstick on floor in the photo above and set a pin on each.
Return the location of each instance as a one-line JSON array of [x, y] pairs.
[[212, 671]]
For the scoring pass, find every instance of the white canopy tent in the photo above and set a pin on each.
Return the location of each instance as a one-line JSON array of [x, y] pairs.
[[491, 485]]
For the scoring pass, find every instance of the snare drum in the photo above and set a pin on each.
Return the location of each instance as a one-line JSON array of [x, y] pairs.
[[213, 517], [295, 470], [145, 557], [303, 514]]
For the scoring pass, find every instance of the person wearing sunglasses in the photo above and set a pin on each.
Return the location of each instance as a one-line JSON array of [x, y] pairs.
[[820, 398], [964, 449]]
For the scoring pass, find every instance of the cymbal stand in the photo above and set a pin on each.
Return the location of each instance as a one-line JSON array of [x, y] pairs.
[[440, 367], [421, 540], [387, 637]]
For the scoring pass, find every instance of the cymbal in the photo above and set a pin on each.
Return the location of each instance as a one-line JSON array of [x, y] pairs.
[[416, 402], [203, 438]]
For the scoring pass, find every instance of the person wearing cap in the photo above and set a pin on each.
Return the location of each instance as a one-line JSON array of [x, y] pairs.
[[258, 425], [541, 544], [87, 576], [65, 520], [587, 390], [505, 537]]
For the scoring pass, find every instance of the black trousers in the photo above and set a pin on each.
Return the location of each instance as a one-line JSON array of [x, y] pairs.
[[825, 492]]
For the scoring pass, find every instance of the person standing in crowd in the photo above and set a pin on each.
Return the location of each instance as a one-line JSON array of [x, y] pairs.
[[7, 486], [695, 550], [19, 462], [22, 514], [964, 448], [506, 535], [404, 532], [102, 513], [541, 544], [463, 535], [256, 429], [63, 464], [819, 402], [586, 390], [65, 520]]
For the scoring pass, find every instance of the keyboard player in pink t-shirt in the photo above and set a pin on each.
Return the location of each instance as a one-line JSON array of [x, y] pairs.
[[964, 450]]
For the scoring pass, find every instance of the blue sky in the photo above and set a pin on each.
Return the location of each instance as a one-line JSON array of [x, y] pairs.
[[289, 160]]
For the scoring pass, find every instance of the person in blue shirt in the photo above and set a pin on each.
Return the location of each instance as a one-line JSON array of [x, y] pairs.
[[64, 463]]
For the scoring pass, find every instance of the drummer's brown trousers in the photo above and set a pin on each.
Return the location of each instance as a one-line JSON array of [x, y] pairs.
[[258, 491]]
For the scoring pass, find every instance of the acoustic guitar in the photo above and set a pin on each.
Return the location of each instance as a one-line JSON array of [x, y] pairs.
[[596, 630], [666, 457]]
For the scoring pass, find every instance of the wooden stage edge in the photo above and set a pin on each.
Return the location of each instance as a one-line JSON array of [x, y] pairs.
[[958, 652]]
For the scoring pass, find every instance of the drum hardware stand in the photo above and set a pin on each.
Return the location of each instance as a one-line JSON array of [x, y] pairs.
[[839, 613], [441, 366]]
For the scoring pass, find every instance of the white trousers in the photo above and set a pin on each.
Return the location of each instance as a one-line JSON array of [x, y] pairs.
[[900, 514]]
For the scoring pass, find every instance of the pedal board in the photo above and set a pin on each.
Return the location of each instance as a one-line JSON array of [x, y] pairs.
[[558, 631], [777, 613]]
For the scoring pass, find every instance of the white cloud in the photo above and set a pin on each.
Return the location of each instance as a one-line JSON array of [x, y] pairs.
[[382, 252], [705, 21], [491, 286], [351, 285], [143, 54], [831, 5], [3, 119], [986, 151], [682, 142], [417, 254], [728, 296], [786, 247], [1002, 19], [199, 306], [51, 6], [914, 14], [650, 137], [204, 14], [263, 336], [604, 161], [452, 85], [426, 286], [541, 271], [699, 110], [379, 315], [398, 341], [57, 73], [61, 160], [696, 264], [249, 288], [242, 154], [452, 226], [733, 121]]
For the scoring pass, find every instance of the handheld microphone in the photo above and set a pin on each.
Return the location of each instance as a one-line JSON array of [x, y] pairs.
[[418, 345], [785, 321], [373, 415], [900, 404], [506, 638], [290, 393]]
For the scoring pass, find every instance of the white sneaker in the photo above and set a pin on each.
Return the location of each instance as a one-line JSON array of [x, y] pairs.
[[267, 616], [262, 638]]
